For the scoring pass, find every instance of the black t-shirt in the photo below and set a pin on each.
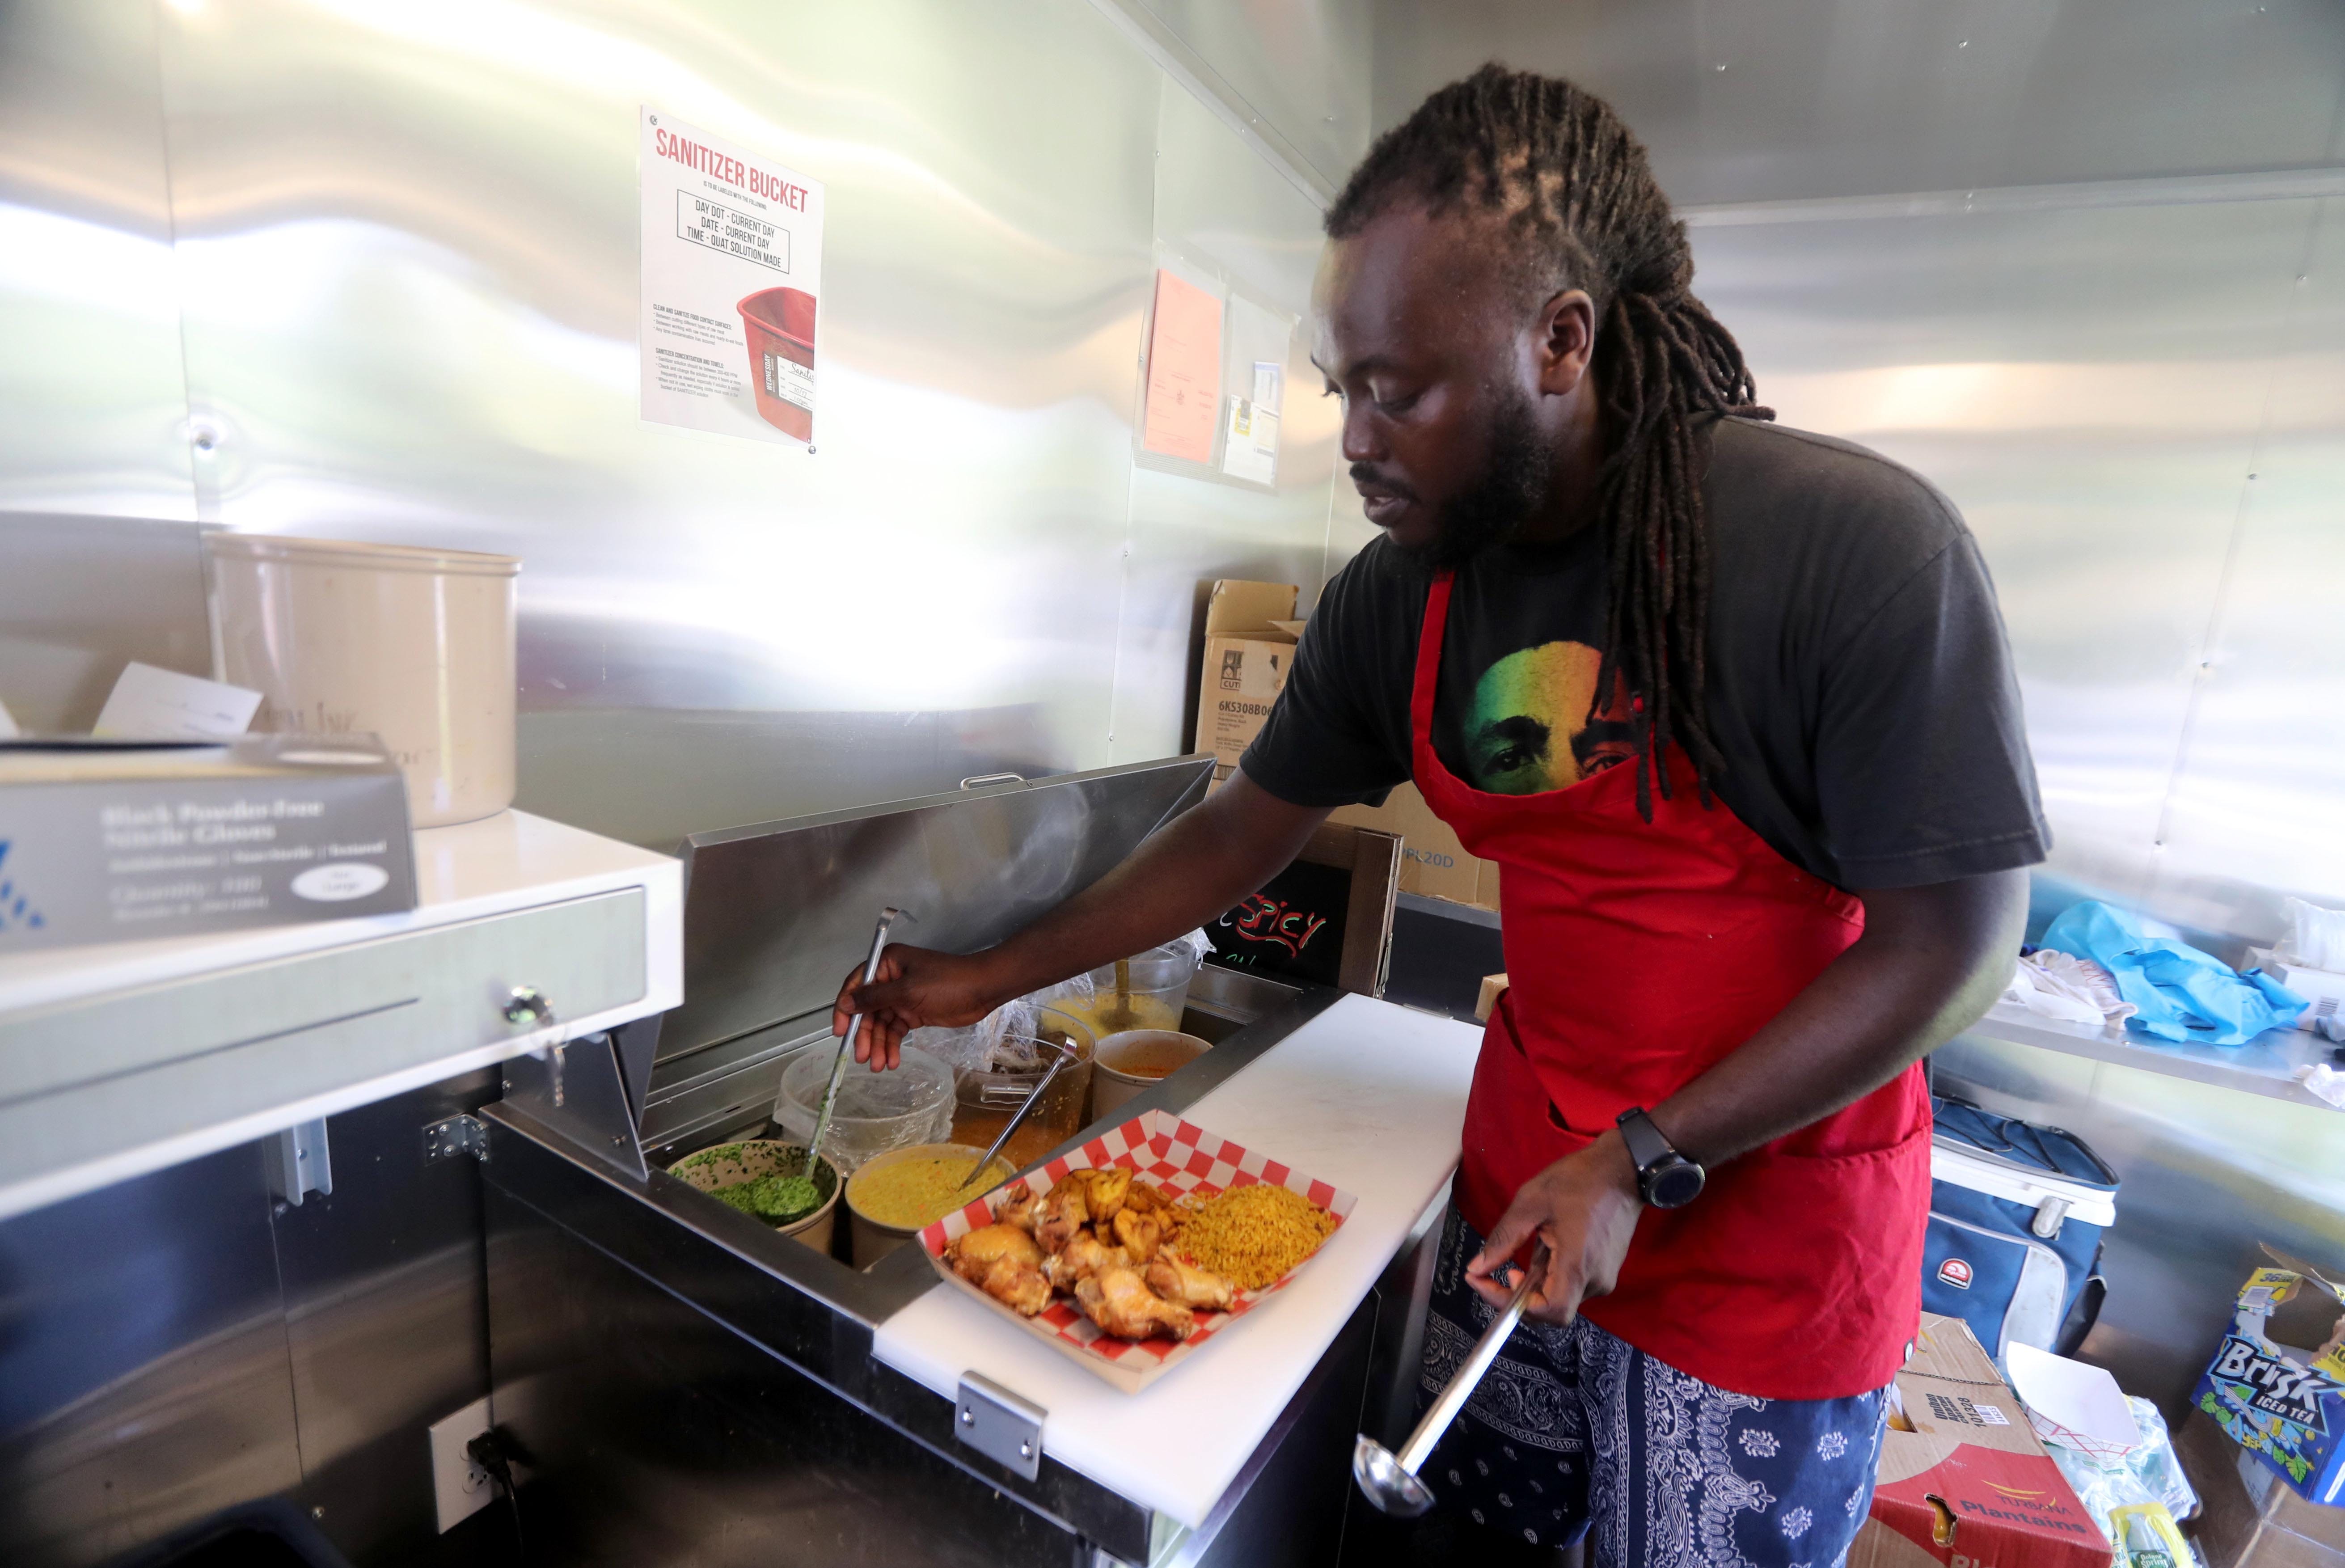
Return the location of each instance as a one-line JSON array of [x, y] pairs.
[[1859, 686]]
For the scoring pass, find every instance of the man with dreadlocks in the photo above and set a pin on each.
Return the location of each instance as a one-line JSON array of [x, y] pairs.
[[1732, 707]]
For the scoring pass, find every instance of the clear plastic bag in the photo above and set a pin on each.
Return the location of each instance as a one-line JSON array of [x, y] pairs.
[[972, 1047], [2145, 1473], [2316, 937]]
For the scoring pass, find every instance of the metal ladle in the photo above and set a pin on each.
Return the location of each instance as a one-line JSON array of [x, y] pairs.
[[1389, 1479], [887, 917]]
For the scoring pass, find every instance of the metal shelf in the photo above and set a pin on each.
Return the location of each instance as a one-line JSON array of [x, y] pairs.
[[2264, 1065]]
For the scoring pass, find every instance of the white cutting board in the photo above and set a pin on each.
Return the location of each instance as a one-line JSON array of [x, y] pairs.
[[1368, 1096]]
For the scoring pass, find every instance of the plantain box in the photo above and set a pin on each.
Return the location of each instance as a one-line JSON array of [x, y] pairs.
[[1962, 1479]]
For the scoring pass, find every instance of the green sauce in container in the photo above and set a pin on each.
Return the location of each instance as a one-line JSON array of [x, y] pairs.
[[776, 1199], [762, 1179]]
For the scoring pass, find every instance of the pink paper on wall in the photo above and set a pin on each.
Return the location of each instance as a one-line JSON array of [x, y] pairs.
[[1184, 370]]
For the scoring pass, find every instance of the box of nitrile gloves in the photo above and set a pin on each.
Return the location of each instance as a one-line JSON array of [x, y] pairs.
[[118, 842]]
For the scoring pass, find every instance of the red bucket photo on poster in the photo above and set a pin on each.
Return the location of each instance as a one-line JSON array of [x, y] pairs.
[[780, 326]]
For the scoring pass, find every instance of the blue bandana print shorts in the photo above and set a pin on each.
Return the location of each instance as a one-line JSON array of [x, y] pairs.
[[1573, 1430]]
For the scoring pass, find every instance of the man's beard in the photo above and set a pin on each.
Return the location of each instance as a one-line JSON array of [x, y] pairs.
[[1512, 486]]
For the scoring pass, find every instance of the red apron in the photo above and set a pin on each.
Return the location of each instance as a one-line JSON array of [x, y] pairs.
[[1638, 955]]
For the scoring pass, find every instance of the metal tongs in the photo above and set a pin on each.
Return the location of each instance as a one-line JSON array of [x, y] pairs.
[[1389, 1479], [887, 917], [1066, 1055]]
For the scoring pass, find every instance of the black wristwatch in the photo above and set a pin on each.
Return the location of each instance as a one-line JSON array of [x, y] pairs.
[[1666, 1177]]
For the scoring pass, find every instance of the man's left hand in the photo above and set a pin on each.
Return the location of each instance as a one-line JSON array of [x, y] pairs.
[[1585, 1207]]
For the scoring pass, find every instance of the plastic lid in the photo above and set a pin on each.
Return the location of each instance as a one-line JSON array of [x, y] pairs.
[[355, 554]]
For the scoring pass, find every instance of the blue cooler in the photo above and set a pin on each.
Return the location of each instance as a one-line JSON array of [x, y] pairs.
[[2017, 1213]]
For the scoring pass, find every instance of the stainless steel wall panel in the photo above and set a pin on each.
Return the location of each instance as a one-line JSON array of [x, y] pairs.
[[411, 239], [1305, 66], [2090, 388], [1831, 97], [79, 597], [90, 378], [1222, 210], [2255, 809]]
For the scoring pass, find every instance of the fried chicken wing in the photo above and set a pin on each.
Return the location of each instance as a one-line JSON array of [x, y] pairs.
[[1119, 1301], [1083, 1256], [1190, 1285], [1063, 1212], [1137, 1234], [1105, 1187], [1015, 1283], [1019, 1206], [977, 1251]]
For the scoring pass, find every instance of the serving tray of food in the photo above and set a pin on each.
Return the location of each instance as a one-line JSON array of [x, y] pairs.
[[1131, 1252]]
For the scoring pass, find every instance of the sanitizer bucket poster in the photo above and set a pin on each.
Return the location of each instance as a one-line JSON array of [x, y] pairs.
[[732, 274]]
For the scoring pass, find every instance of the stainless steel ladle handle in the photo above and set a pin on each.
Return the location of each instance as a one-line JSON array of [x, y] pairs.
[[1066, 1055], [888, 918], [1389, 1479]]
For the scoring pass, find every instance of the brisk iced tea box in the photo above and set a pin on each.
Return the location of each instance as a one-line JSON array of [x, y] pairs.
[[118, 842], [2277, 1384]]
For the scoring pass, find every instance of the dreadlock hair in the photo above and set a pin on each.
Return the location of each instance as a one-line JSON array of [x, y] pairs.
[[1580, 210]]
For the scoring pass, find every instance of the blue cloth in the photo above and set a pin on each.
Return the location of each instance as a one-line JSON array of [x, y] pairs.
[[2183, 993], [1573, 1432]]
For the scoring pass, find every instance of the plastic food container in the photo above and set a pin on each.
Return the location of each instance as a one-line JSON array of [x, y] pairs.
[[729, 1165], [778, 325], [872, 1240], [413, 646], [986, 1099], [1151, 992], [1138, 1060], [877, 1111]]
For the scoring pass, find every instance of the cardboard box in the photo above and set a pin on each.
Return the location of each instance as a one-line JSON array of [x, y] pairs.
[[1250, 637], [111, 843], [2246, 1518], [1494, 986], [1962, 1481], [1433, 862], [2277, 1383]]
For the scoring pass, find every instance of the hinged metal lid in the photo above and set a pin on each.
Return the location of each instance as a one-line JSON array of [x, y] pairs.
[[775, 915]]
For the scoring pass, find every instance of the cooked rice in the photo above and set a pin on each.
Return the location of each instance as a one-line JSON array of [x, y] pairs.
[[1252, 1235]]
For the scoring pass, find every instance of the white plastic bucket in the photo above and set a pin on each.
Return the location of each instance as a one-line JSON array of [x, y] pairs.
[[415, 646]]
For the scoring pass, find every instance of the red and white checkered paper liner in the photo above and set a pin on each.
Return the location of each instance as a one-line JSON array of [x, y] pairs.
[[1177, 1155]]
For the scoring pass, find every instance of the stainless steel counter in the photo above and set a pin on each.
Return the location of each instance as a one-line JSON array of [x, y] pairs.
[[664, 1358], [679, 1374]]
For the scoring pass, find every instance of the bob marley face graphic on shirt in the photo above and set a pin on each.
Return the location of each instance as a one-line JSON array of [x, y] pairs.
[[1528, 728]]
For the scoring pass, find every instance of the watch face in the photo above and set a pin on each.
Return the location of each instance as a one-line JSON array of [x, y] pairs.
[[1674, 1186]]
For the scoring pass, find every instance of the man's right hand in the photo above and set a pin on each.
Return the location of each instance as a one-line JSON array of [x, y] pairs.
[[915, 988]]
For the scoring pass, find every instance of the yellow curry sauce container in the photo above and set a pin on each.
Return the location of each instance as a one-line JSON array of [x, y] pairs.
[[870, 1239]]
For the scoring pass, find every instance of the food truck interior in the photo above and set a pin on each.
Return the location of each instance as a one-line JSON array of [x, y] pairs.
[[836, 458]]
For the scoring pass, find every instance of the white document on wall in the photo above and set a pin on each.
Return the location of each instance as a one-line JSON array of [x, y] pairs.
[[1254, 391], [732, 270]]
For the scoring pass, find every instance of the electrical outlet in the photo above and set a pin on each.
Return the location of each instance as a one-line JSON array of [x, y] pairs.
[[459, 1487]]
